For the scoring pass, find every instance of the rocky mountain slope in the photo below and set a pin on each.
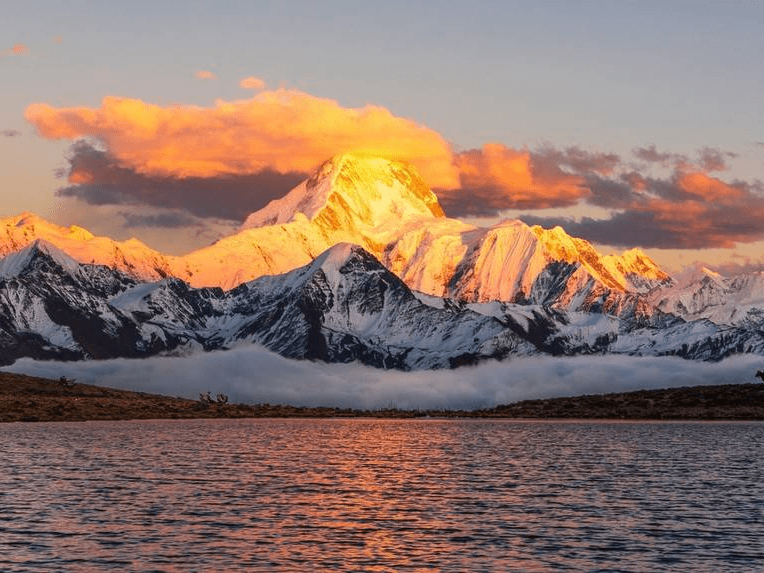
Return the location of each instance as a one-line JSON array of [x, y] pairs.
[[344, 306]]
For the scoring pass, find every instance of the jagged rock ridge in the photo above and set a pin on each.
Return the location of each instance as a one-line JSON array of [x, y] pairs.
[[342, 307]]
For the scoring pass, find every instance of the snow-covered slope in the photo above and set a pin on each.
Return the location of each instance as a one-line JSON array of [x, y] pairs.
[[343, 306], [700, 293], [130, 257]]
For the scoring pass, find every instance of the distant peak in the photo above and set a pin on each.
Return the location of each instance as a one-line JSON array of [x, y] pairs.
[[634, 253], [640, 263], [17, 262], [709, 272], [337, 255], [27, 218], [696, 273], [77, 232]]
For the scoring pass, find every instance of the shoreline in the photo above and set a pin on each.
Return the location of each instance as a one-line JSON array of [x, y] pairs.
[[31, 399]]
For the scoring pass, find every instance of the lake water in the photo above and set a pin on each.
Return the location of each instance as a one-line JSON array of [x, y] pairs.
[[371, 495]]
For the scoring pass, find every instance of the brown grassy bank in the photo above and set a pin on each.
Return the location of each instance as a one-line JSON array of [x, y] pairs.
[[27, 398], [722, 402], [30, 399]]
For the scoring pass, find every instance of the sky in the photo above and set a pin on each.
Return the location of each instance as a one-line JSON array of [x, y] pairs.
[[631, 124]]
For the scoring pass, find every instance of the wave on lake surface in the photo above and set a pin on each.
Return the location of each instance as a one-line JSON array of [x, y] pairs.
[[381, 495]]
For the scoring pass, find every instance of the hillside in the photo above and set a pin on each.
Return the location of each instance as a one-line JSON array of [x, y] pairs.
[[30, 399], [723, 402]]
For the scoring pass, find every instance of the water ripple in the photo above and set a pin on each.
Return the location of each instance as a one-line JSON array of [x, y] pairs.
[[371, 495]]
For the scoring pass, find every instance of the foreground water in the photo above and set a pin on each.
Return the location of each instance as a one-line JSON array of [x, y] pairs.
[[370, 495]]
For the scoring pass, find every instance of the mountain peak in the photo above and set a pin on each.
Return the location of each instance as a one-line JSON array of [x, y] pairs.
[[695, 274], [16, 263], [337, 259], [131, 257], [32, 222], [336, 256], [353, 191]]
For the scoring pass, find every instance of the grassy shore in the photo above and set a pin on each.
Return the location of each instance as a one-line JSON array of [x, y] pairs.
[[29, 399]]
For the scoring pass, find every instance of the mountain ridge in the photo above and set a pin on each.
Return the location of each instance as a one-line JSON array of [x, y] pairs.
[[385, 207], [344, 306]]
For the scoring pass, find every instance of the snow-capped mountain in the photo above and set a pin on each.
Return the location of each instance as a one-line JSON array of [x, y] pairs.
[[700, 293], [517, 263], [131, 257], [362, 200], [53, 307], [346, 306], [385, 207], [343, 306], [359, 263]]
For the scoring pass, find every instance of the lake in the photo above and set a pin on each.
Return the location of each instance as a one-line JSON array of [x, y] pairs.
[[382, 495]]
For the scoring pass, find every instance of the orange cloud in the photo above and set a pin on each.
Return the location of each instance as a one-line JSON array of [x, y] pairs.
[[515, 174], [691, 209], [16, 50], [702, 186], [204, 75], [252, 83], [497, 177], [282, 130]]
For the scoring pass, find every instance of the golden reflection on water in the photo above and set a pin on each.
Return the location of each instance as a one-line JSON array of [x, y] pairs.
[[369, 495]]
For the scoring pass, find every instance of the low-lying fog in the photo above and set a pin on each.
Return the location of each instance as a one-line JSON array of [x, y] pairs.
[[252, 374]]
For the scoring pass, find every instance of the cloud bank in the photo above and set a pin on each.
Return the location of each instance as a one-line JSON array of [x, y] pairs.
[[97, 178], [689, 209], [251, 374], [281, 130], [497, 177]]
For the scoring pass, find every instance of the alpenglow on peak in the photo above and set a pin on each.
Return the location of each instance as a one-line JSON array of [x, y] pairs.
[[354, 190]]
